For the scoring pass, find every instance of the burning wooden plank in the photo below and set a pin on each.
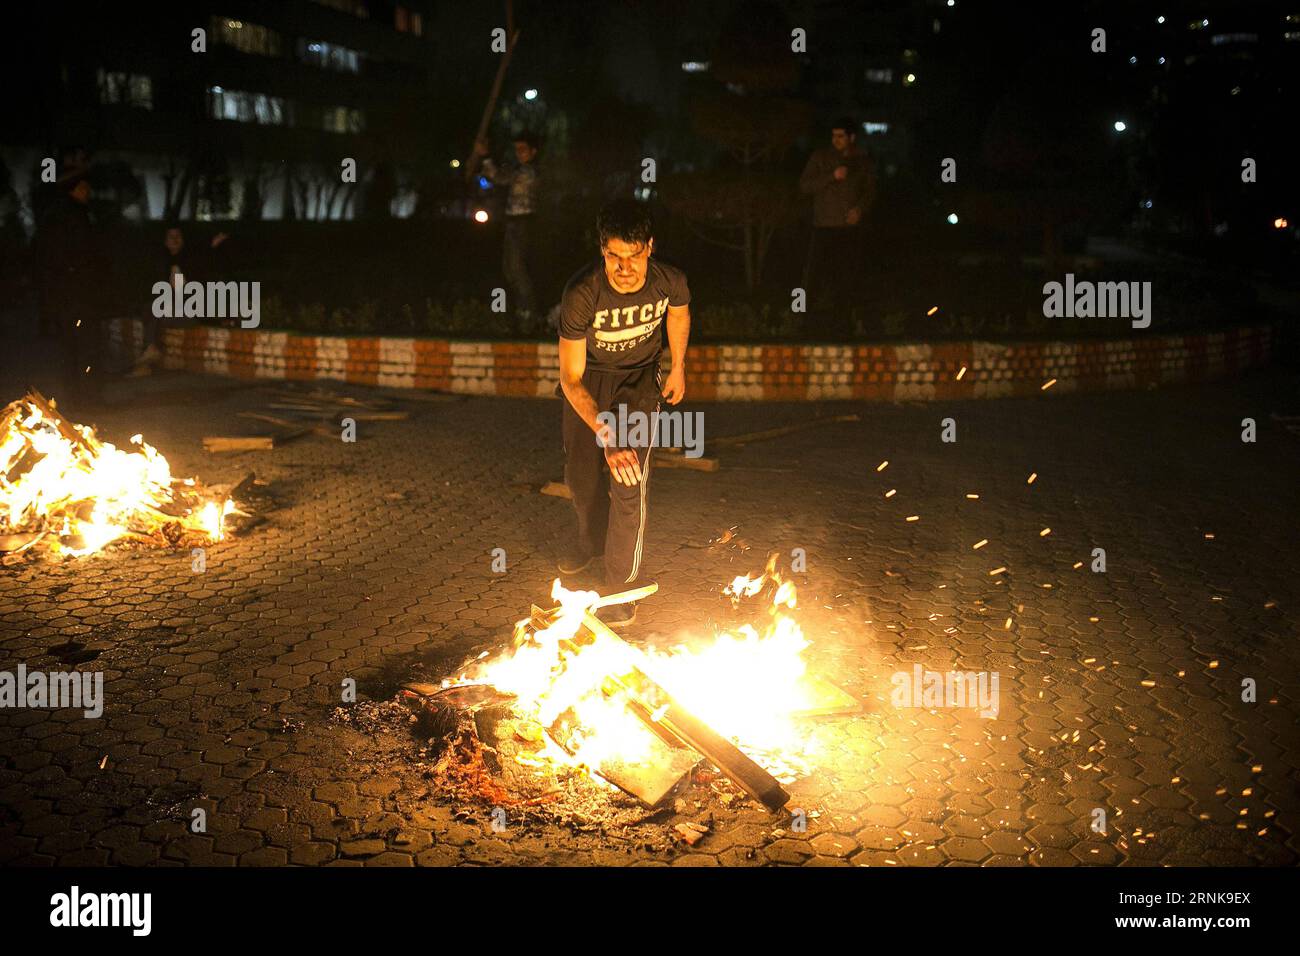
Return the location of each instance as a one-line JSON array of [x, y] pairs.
[[654, 704], [667, 718]]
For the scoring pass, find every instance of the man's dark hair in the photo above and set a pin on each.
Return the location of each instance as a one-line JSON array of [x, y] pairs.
[[845, 123], [625, 219], [529, 137]]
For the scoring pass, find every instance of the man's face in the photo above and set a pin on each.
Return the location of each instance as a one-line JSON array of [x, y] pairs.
[[840, 139], [174, 241], [626, 263], [523, 152]]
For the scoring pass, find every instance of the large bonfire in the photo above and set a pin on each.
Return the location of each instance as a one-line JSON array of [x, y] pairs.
[[640, 717], [63, 487]]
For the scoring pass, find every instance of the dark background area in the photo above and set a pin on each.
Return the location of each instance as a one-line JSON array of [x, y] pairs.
[[1046, 183]]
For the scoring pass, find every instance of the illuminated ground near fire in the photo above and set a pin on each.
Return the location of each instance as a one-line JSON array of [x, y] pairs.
[[1119, 690]]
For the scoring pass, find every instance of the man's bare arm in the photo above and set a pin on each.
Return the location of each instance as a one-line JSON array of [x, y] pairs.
[[623, 463], [573, 362], [679, 335]]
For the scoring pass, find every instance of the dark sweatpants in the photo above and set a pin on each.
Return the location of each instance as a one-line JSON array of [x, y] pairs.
[[611, 516]]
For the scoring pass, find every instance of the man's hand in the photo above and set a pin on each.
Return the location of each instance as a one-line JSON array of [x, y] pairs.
[[675, 388], [852, 216], [624, 465], [841, 173]]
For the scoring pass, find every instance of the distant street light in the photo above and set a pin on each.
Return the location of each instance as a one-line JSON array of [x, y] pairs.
[[1120, 126], [480, 215], [455, 164], [952, 218], [530, 94], [1280, 223]]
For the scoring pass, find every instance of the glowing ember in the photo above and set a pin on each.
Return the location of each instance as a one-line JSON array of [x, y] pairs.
[[57, 478], [748, 684]]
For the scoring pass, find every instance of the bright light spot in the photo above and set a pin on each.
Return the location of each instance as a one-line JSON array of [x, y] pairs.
[[1161, 61], [480, 215], [1120, 126], [695, 66], [952, 3], [1147, 204], [1160, 19], [909, 79], [455, 164], [1133, 59], [952, 218], [530, 94], [1280, 223]]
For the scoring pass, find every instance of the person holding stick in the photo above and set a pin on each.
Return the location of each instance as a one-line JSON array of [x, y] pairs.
[[521, 180]]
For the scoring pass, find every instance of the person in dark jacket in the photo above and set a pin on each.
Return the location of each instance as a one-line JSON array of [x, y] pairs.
[[71, 260], [840, 178], [177, 265]]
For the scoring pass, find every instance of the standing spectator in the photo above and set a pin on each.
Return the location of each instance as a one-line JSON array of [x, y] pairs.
[[177, 263], [841, 179], [522, 201], [71, 266]]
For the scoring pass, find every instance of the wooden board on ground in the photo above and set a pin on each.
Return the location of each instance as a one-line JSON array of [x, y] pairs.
[[229, 443], [556, 489], [767, 433], [826, 699], [681, 461]]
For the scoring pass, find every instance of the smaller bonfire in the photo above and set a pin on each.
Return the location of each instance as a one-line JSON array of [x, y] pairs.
[[65, 492]]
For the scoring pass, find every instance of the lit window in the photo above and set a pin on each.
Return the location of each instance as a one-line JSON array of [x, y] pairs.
[[125, 89], [329, 56], [243, 107], [245, 37]]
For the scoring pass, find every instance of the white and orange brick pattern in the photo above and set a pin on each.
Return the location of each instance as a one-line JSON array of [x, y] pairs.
[[728, 372]]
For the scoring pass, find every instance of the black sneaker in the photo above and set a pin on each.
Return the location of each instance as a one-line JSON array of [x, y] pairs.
[[618, 615], [575, 561]]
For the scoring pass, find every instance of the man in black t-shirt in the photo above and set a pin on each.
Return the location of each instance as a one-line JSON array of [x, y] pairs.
[[614, 317]]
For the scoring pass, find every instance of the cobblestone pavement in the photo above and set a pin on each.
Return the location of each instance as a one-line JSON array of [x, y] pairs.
[[1119, 690]]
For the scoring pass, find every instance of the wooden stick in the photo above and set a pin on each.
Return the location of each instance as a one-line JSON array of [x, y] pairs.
[[486, 119], [782, 430], [682, 462], [625, 597], [51, 413]]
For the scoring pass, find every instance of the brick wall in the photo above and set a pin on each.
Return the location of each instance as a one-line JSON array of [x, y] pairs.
[[729, 372]]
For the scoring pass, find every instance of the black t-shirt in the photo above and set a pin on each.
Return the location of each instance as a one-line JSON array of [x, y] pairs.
[[623, 330]]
